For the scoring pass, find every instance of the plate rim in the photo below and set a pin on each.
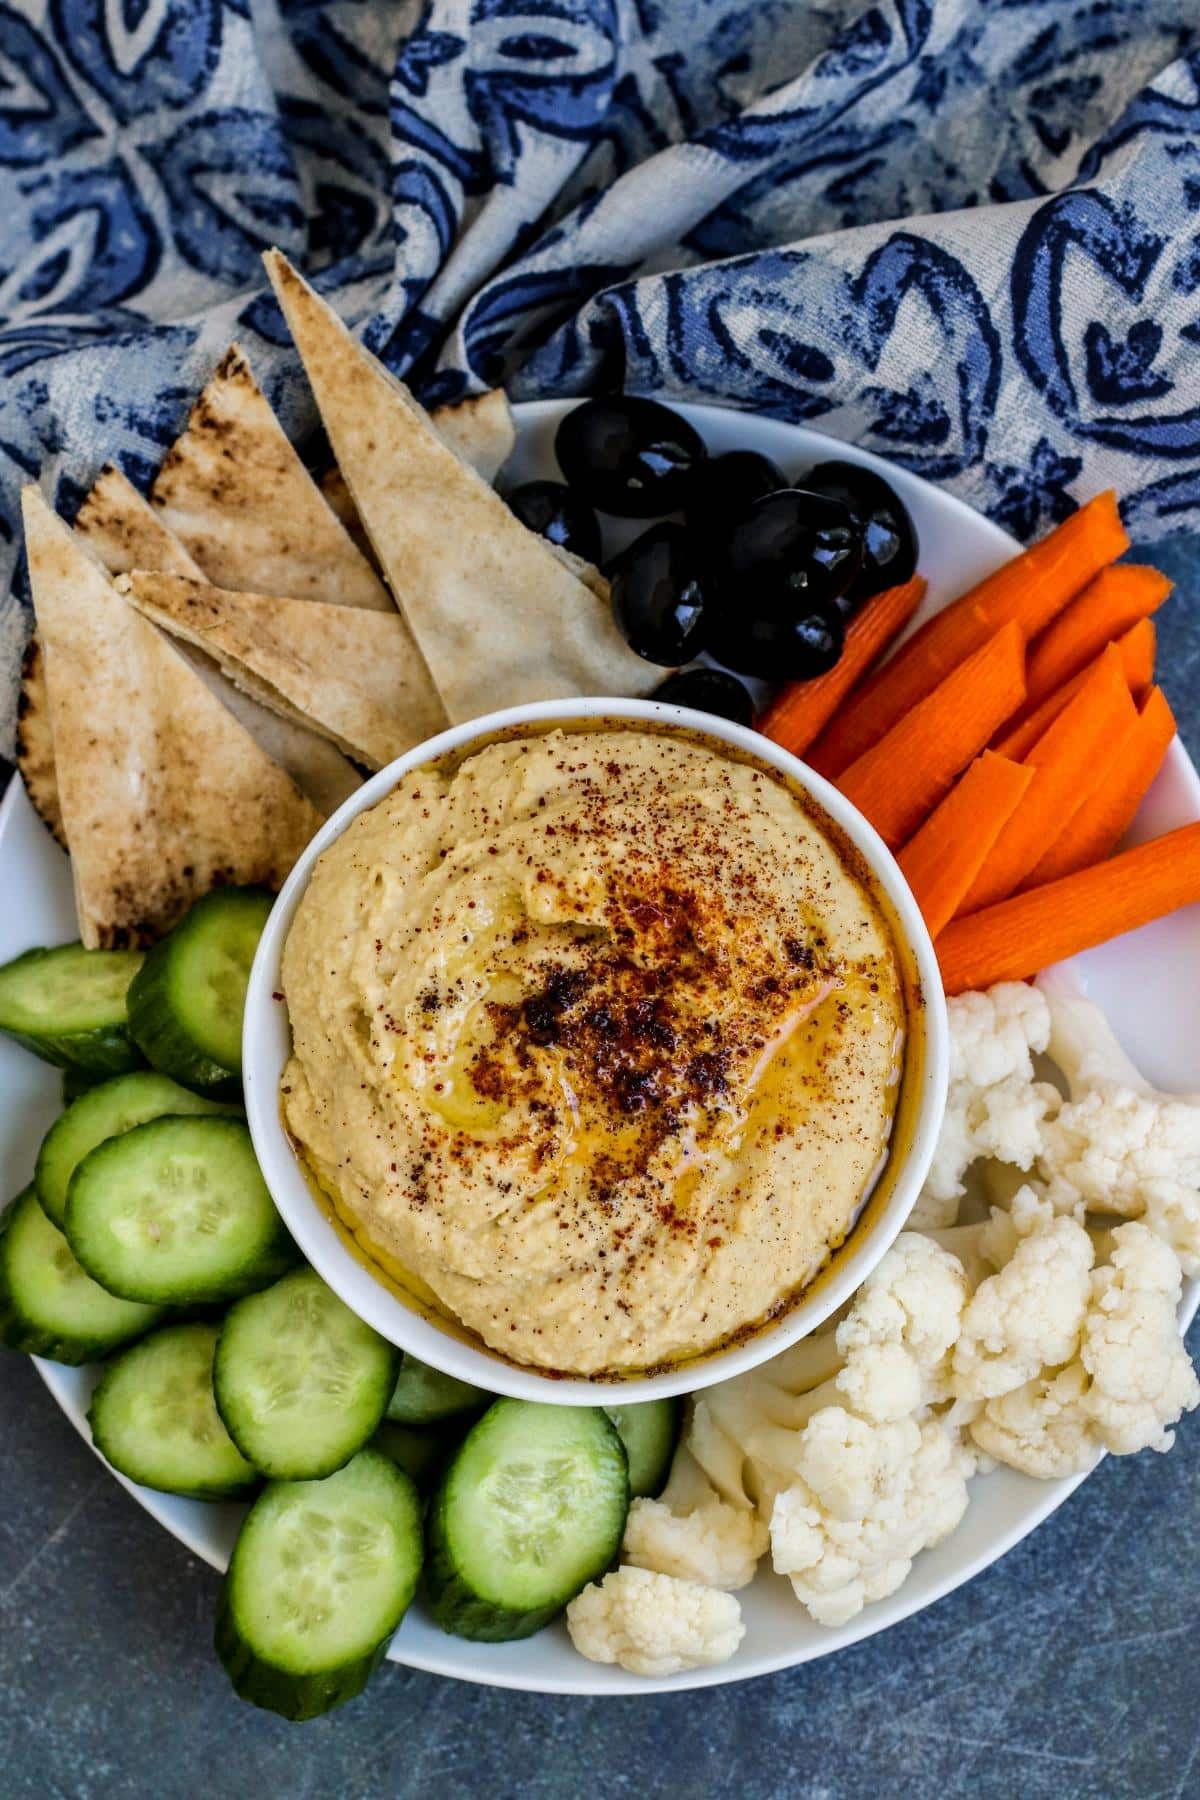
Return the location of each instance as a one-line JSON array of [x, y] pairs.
[[879, 1616]]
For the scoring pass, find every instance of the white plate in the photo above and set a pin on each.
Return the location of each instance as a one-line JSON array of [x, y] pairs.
[[1141, 981]]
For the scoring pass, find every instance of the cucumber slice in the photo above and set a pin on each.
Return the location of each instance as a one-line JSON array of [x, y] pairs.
[[175, 1212], [530, 1510], [104, 1112], [649, 1432], [301, 1382], [321, 1575], [421, 1451], [186, 1004], [69, 1006], [423, 1395], [48, 1305], [153, 1417], [78, 1081]]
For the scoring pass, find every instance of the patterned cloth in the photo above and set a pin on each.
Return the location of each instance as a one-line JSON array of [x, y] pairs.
[[965, 233]]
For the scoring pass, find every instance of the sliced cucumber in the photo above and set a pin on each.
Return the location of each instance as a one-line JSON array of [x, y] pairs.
[[78, 1081], [321, 1575], [49, 1306], [154, 1418], [69, 1006], [175, 1212], [301, 1382], [104, 1112], [649, 1432], [422, 1451], [422, 1395], [185, 1007], [530, 1510]]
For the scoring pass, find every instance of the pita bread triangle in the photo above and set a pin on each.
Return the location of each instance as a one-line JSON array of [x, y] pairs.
[[234, 491], [344, 672], [123, 529], [479, 429], [164, 795], [498, 618], [125, 532], [35, 741]]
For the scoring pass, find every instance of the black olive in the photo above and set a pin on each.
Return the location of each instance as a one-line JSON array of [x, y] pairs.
[[780, 573], [628, 456], [708, 691], [889, 535], [724, 487], [550, 508], [657, 596]]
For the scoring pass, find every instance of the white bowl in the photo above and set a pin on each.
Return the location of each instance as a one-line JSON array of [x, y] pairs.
[[267, 1042]]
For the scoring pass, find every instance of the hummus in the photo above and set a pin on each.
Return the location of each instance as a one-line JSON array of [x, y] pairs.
[[597, 1034]]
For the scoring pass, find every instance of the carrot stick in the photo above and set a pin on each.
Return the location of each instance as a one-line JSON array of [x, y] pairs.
[[1123, 782], [804, 708], [1137, 659], [1064, 761], [1014, 940], [1109, 606], [1030, 590], [947, 853], [899, 781]]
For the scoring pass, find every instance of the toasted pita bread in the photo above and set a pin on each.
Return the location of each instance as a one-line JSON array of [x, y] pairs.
[[163, 794], [235, 492], [497, 616], [480, 430], [125, 532], [35, 741], [343, 671]]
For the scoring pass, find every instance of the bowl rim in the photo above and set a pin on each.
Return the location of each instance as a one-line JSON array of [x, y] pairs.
[[266, 1040]]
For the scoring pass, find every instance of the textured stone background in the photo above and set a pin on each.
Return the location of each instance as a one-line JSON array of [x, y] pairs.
[[1065, 1671]]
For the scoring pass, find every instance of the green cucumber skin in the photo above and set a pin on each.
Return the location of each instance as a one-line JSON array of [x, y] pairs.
[[273, 1259], [166, 1048], [294, 1697], [103, 1050], [277, 1462], [648, 1476], [154, 1026], [241, 1488], [295, 1694], [20, 1333], [425, 1396], [176, 1100], [455, 1605], [421, 1451]]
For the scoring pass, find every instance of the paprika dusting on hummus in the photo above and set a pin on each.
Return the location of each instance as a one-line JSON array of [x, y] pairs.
[[598, 1033]]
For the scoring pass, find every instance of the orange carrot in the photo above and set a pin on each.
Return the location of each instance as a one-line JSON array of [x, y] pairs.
[[1137, 659], [804, 708], [1014, 940], [1107, 607], [947, 853], [1122, 783], [900, 780], [1030, 590], [1064, 760]]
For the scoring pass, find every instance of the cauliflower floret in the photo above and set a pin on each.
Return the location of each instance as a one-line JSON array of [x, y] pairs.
[[654, 1624], [1128, 1384], [1142, 1379], [995, 1107], [691, 1533], [1040, 1428], [1116, 1145], [838, 1565], [913, 1298], [1029, 1315]]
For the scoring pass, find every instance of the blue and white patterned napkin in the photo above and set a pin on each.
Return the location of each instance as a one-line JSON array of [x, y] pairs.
[[965, 233]]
